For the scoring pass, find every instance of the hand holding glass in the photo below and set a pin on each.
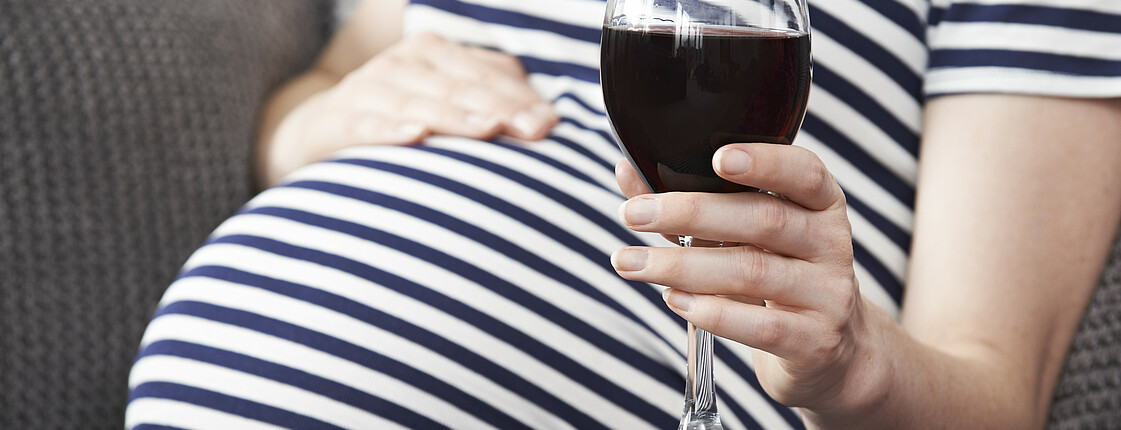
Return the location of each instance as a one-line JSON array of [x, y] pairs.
[[681, 78]]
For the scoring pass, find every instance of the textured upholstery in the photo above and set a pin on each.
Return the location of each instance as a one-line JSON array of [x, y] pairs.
[[1089, 392], [126, 130]]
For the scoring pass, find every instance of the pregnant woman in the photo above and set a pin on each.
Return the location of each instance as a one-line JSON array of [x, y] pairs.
[[445, 247]]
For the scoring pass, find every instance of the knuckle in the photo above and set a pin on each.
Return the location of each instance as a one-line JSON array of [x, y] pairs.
[[515, 67], [842, 200], [817, 178], [834, 329], [682, 210], [773, 219], [511, 62], [831, 344], [714, 319], [751, 267], [666, 266], [769, 330], [501, 60], [693, 213], [836, 242], [846, 295]]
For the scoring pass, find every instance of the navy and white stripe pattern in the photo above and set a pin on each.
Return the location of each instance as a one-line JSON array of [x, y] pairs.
[[467, 284], [1071, 46]]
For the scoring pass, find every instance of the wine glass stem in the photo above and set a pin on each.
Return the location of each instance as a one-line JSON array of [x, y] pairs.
[[700, 391]]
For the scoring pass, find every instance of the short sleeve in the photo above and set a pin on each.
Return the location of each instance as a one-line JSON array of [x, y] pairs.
[[1066, 48]]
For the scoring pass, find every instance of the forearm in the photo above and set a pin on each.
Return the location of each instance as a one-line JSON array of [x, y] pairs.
[[924, 386], [1018, 202], [1019, 199], [373, 25]]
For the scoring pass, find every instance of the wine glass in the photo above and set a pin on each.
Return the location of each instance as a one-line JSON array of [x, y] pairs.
[[681, 78]]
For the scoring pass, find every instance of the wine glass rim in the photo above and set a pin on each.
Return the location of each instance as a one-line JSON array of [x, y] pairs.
[[647, 15]]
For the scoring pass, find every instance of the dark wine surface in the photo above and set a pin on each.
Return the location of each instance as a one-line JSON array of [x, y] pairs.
[[675, 99]]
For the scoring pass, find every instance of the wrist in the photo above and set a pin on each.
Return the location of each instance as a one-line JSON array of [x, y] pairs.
[[870, 378], [277, 111]]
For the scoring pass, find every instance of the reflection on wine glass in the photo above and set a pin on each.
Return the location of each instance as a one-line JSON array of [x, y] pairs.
[[681, 78]]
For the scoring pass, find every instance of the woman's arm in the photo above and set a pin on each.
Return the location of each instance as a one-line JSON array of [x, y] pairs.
[[1019, 199], [372, 87], [371, 27]]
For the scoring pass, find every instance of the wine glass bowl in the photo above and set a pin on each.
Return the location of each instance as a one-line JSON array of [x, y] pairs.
[[682, 78]]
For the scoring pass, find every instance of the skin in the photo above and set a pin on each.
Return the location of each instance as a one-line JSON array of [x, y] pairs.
[[1018, 201], [371, 87]]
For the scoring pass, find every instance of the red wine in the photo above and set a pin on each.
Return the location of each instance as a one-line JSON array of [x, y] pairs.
[[675, 99]]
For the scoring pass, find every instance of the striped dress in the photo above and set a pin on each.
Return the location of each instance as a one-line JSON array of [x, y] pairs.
[[467, 284]]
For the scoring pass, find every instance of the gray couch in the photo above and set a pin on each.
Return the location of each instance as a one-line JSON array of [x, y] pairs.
[[126, 132]]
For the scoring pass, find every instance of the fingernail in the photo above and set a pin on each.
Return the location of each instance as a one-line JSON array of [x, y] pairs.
[[530, 121], [630, 259], [640, 211], [733, 161], [679, 300]]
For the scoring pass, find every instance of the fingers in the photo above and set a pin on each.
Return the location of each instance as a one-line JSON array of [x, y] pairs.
[[756, 218], [778, 332], [795, 172], [792, 292], [453, 59], [479, 82], [531, 123], [792, 171], [738, 271], [631, 185], [424, 84], [388, 100], [447, 119], [371, 130], [501, 62], [629, 181]]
